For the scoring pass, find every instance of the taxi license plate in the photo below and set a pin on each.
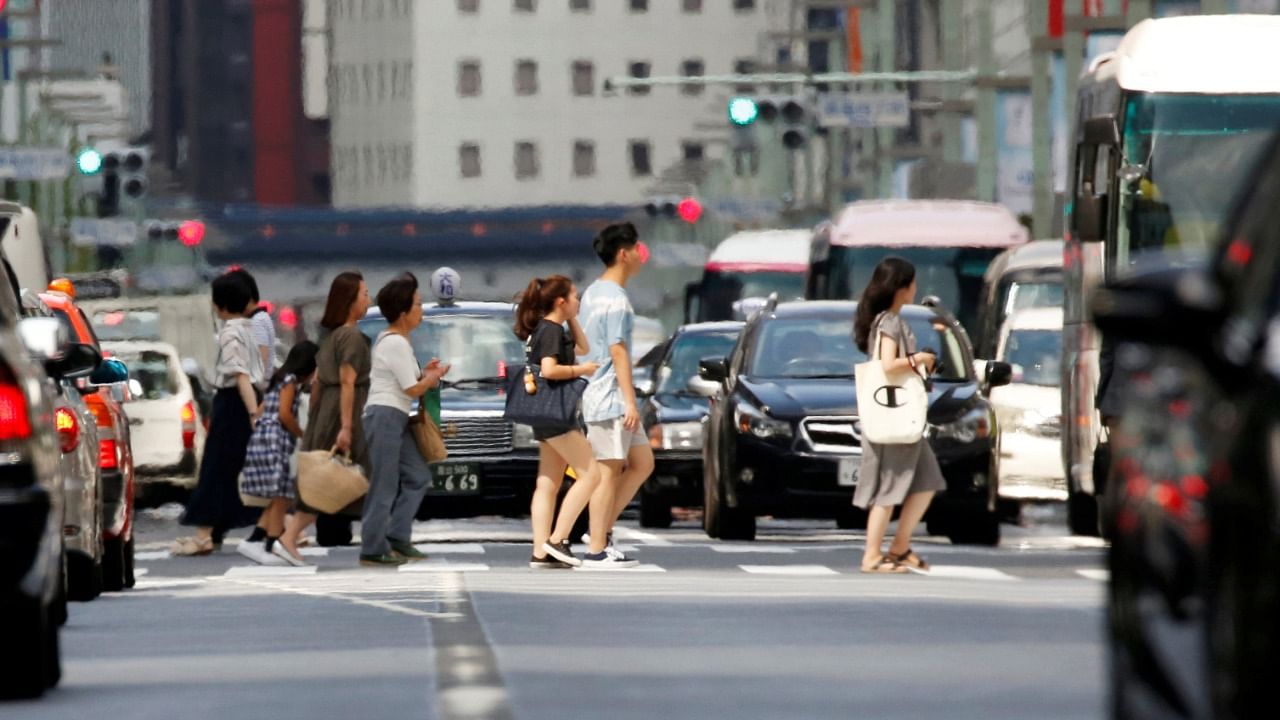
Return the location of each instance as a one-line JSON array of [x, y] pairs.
[[455, 479], [847, 472]]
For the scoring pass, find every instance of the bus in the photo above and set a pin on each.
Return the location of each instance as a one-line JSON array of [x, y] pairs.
[[746, 265], [1167, 128], [950, 242]]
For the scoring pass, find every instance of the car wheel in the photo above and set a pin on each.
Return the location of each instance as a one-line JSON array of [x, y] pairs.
[[1082, 514], [850, 519], [978, 526], [710, 504], [333, 531], [52, 654], [129, 579], [655, 511], [84, 578], [737, 523], [24, 664], [113, 565], [59, 610]]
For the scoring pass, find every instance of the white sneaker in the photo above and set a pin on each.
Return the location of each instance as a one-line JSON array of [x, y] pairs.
[[279, 551], [257, 552], [608, 561], [608, 548]]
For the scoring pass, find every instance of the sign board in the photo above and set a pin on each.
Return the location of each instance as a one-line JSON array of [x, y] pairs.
[[744, 209], [864, 110], [112, 232], [31, 163]]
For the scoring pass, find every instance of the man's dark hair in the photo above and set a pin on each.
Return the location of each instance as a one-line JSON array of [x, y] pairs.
[[248, 280], [396, 297], [614, 238], [231, 294]]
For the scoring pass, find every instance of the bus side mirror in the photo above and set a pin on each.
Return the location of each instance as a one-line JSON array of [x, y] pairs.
[[1101, 130], [1091, 217]]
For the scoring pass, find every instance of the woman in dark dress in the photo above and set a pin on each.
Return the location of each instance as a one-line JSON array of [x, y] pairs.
[[547, 306]]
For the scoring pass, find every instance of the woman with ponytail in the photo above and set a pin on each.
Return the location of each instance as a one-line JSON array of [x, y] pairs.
[[547, 320]]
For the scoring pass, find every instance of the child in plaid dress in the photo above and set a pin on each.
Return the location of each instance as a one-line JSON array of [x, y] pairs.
[[267, 472]]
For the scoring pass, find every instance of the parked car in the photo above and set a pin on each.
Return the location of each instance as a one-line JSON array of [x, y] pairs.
[[78, 464], [1195, 487], [1021, 278], [32, 570], [783, 435], [1029, 408], [163, 413], [673, 416], [115, 454]]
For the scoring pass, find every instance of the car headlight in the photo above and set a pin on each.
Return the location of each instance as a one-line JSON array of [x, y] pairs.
[[752, 420], [676, 436], [522, 436], [973, 425]]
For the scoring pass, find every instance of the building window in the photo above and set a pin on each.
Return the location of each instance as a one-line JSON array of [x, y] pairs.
[[526, 77], [469, 78], [584, 158], [692, 68], [525, 5], [693, 6], [639, 70], [692, 150], [468, 6], [744, 5], [639, 6], [641, 165], [745, 66], [469, 160], [579, 5], [526, 161], [584, 78]]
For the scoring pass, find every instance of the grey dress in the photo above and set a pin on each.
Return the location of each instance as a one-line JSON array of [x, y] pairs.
[[890, 473]]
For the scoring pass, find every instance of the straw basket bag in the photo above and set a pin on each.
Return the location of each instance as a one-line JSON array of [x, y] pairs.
[[329, 481]]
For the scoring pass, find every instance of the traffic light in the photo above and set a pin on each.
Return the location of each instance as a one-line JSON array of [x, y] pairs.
[[89, 161], [792, 111], [688, 209], [743, 111], [130, 164], [188, 232]]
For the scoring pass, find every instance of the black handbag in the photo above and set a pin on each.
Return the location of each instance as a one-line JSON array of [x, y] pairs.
[[555, 403]]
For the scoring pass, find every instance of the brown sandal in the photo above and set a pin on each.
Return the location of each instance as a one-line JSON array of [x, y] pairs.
[[885, 566], [910, 560], [192, 547]]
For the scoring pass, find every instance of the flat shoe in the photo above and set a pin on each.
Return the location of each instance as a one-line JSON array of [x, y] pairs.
[[885, 566], [191, 547], [910, 560]]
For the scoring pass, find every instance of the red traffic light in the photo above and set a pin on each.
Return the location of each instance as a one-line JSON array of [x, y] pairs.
[[191, 233], [689, 210]]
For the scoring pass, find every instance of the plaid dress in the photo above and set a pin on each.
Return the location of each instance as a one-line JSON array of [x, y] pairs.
[[266, 462]]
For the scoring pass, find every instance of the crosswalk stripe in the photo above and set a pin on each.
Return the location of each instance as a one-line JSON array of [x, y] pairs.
[[964, 572], [269, 570], [433, 548], [1098, 574], [640, 536], [151, 555], [788, 569], [442, 567], [641, 568], [760, 549]]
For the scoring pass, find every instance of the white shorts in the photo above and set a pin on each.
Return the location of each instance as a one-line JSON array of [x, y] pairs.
[[610, 440]]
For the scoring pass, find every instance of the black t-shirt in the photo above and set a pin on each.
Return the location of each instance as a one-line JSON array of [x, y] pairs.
[[550, 340]]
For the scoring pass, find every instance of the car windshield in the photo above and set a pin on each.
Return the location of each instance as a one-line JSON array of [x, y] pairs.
[[131, 325], [721, 288], [154, 373], [1030, 295], [1185, 157], [1036, 356], [953, 274], [682, 362], [823, 347], [479, 347]]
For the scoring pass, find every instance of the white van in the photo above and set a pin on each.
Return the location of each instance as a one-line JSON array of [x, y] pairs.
[[22, 243], [1029, 409], [745, 265]]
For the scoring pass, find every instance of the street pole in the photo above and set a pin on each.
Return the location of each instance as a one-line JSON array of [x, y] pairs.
[[1042, 48], [1214, 7], [886, 54], [1138, 11], [1073, 63], [986, 109], [952, 18]]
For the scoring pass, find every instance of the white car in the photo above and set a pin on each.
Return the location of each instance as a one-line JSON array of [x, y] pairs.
[[1029, 409], [164, 417]]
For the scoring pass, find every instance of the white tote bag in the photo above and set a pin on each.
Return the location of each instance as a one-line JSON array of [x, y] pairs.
[[891, 406]]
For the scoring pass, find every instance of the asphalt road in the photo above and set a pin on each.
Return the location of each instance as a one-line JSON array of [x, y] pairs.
[[781, 628]]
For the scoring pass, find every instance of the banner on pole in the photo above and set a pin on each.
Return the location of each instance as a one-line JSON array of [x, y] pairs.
[[33, 163], [864, 110]]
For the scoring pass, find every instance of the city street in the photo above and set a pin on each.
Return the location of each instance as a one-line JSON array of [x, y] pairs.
[[783, 627]]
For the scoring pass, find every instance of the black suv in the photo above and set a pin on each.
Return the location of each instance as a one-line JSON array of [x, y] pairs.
[[783, 436], [1194, 496], [673, 415]]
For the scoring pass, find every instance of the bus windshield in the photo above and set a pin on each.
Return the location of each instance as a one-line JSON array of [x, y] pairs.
[[721, 288], [953, 274], [1184, 157]]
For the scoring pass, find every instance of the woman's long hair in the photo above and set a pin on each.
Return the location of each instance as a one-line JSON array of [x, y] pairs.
[[539, 299], [300, 363], [342, 295], [890, 276]]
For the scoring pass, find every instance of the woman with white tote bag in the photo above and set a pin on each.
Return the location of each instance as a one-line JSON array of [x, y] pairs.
[[904, 471]]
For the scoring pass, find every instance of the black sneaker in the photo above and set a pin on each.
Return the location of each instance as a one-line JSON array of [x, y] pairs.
[[562, 552], [388, 560], [546, 562], [607, 561]]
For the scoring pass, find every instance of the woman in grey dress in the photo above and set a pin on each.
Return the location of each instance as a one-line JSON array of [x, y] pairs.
[[906, 475]]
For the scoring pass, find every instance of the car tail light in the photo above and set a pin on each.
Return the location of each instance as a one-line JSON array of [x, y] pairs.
[[14, 422], [68, 429], [188, 426], [101, 412], [107, 459]]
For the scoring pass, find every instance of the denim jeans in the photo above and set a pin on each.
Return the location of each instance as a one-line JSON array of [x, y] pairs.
[[398, 479]]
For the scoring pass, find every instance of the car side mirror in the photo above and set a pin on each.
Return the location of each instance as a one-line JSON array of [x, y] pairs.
[[999, 374], [46, 339], [642, 380], [135, 388], [713, 369], [79, 361], [1168, 307], [704, 388], [110, 372]]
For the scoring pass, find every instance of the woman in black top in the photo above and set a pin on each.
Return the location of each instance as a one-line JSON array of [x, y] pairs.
[[547, 306]]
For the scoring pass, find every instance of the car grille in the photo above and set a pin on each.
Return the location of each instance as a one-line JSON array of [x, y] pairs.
[[833, 434], [476, 436]]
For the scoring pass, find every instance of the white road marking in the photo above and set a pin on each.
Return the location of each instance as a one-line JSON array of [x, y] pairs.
[[159, 583], [269, 571], [152, 555], [788, 569], [965, 572], [1094, 574], [139, 572], [762, 549], [640, 536], [641, 568], [313, 551], [429, 566], [431, 548]]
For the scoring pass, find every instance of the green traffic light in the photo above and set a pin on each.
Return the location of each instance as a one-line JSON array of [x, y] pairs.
[[743, 111], [89, 161]]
